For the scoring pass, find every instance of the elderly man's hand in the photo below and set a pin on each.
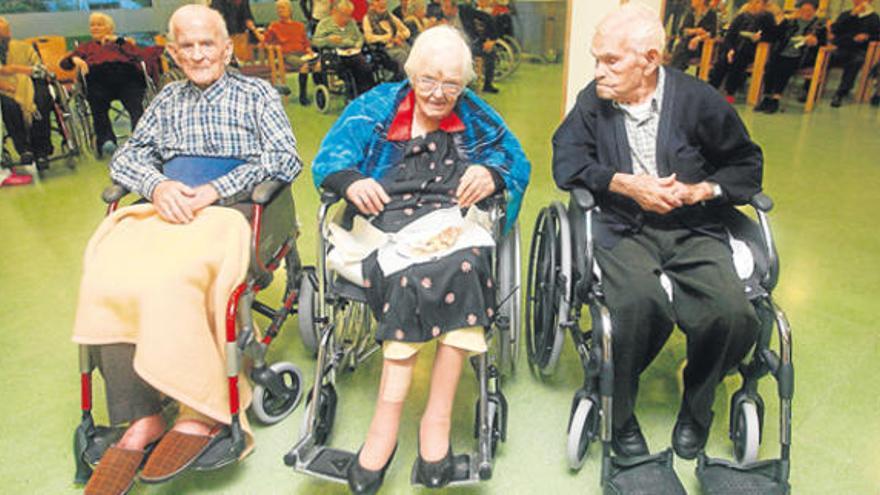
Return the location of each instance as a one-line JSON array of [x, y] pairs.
[[205, 195], [488, 46], [691, 194], [368, 195], [476, 184], [173, 201], [861, 37], [335, 39], [694, 43], [81, 66], [652, 194]]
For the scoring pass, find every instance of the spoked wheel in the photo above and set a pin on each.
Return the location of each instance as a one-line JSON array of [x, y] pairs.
[[548, 288], [583, 428], [270, 408], [307, 309], [509, 276], [505, 59], [516, 47], [84, 120], [326, 414], [746, 434], [322, 98]]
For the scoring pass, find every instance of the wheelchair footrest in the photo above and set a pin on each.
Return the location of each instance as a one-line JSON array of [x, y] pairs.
[[329, 464], [104, 437], [644, 475], [721, 477], [466, 472]]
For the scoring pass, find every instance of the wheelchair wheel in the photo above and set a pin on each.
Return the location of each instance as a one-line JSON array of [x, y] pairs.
[[548, 288], [746, 432], [505, 59], [322, 98], [307, 300], [269, 408], [497, 419], [83, 116], [510, 286], [583, 427], [326, 414]]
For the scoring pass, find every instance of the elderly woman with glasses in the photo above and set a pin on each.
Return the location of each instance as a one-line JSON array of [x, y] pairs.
[[413, 159]]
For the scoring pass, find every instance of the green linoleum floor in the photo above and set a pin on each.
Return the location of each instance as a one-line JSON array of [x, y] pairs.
[[822, 170]]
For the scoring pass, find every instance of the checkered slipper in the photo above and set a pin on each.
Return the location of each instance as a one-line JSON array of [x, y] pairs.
[[175, 453], [116, 471]]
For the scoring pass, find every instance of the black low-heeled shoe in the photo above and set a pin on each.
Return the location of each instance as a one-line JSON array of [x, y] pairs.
[[363, 481], [435, 474]]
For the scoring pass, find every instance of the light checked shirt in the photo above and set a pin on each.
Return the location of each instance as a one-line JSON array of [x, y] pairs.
[[236, 117], [641, 123]]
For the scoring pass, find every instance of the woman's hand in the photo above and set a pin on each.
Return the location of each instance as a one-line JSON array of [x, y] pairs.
[[476, 184], [81, 66], [368, 195]]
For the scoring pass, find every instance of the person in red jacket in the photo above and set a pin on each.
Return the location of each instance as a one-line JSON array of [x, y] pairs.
[[291, 36]]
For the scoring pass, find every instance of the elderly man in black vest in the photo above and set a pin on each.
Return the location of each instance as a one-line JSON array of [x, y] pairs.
[[663, 154]]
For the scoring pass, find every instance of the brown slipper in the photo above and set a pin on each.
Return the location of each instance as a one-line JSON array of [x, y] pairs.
[[115, 473], [175, 452]]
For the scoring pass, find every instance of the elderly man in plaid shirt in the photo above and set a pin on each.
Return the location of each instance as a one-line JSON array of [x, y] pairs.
[[207, 140]]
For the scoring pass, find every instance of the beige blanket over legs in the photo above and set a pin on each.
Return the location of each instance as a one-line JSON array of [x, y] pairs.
[[164, 288]]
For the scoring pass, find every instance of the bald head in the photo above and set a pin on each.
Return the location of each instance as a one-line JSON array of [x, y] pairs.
[[188, 15], [636, 25]]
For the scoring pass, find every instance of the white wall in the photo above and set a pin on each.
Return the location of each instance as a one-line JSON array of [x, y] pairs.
[[583, 17]]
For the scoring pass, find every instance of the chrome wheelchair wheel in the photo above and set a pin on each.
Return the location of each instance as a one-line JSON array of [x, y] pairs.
[[270, 408], [505, 59], [746, 432], [509, 323], [306, 310], [325, 415], [548, 288], [583, 428], [322, 98]]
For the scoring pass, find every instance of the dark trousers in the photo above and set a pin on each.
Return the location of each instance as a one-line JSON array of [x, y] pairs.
[[35, 140], [708, 304], [361, 72], [851, 61], [682, 55], [114, 81], [128, 396], [488, 63], [779, 72], [733, 74]]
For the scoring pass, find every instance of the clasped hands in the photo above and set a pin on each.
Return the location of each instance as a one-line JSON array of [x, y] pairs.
[[178, 203], [660, 195]]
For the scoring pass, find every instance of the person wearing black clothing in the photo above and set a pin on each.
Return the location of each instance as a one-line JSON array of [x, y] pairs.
[[738, 48], [853, 31], [665, 157], [700, 24], [796, 43], [480, 29]]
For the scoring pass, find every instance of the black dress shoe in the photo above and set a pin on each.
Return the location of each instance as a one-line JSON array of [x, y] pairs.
[[837, 100], [628, 441], [875, 100], [764, 105], [435, 474], [772, 106], [304, 100], [490, 89], [363, 481], [688, 436]]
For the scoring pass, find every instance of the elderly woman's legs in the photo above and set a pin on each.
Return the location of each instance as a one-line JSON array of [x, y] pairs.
[[382, 436], [437, 419]]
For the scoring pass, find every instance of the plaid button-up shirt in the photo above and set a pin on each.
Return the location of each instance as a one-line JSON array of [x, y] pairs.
[[236, 117], [641, 130]]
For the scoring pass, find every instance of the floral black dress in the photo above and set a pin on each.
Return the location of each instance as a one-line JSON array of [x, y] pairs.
[[425, 300]]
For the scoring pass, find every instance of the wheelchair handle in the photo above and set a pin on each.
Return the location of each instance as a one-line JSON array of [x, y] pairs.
[[583, 198], [329, 197], [761, 202]]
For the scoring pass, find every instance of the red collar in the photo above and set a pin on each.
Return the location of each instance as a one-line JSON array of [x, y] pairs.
[[401, 126]]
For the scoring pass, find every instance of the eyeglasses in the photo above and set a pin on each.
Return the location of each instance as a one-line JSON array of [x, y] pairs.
[[427, 85]]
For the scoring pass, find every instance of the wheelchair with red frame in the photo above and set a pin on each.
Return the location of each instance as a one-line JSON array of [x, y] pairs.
[[278, 387]]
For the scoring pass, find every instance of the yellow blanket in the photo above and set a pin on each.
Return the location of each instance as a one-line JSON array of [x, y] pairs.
[[164, 288]]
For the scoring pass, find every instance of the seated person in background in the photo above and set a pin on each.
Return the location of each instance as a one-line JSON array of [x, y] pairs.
[[339, 31], [665, 156], [416, 18], [699, 25], [315, 11], [382, 27], [401, 9], [434, 15], [480, 30], [853, 30], [240, 24], [503, 14], [24, 94], [157, 276], [737, 50], [111, 67], [409, 157], [796, 41], [290, 35]]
